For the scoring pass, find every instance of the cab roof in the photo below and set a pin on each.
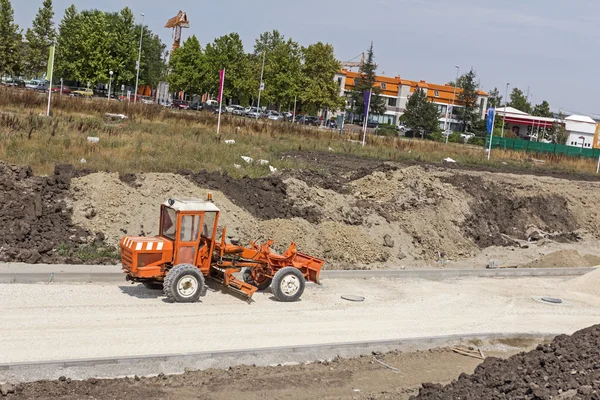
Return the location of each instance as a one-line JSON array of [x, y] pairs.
[[185, 204]]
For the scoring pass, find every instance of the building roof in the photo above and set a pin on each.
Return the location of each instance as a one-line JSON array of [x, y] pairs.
[[509, 111], [580, 118], [191, 205]]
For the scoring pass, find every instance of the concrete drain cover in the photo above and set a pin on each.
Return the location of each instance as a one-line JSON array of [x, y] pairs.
[[351, 297], [552, 300]]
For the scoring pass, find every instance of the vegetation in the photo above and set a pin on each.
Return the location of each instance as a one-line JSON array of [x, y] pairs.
[[10, 41], [40, 37], [148, 139], [519, 101], [469, 113], [366, 82], [421, 114]]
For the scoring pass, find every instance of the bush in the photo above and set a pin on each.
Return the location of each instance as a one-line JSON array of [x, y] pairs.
[[477, 141], [455, 138], [386, 130], [436, 137]]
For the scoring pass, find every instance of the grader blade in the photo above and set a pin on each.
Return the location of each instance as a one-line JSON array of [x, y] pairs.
[[226, 278]]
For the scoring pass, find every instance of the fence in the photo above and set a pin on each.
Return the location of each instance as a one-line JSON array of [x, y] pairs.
[[539, 147]]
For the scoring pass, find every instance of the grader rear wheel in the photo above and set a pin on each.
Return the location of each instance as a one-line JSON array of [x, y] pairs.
[[256, 279], [184, 284], [288, 284]]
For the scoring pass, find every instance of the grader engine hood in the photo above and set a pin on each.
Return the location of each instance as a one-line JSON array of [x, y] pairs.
[[143, 257]]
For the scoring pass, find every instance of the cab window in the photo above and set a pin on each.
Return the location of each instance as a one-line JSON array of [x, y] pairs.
[[190, 225], [209, 225], [168, 224]]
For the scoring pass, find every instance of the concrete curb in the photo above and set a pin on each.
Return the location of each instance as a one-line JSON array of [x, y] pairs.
[[112, 367], [26, 273]]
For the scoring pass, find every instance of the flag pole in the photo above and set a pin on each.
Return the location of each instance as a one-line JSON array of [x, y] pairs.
[[51, 70], [364, 141], [221, 99], [492, 135]]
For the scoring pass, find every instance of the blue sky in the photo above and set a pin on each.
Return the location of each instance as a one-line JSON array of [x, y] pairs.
[[546, 45]]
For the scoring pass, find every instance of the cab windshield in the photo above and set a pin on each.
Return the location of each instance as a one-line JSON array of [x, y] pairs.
[[168, 225]]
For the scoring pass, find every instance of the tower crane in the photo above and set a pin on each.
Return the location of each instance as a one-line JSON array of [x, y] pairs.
[[177, 23]]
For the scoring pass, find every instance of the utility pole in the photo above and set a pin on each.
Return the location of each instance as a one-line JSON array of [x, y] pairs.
[[505, 105], [262, 85], [447, 133], [137, 78]]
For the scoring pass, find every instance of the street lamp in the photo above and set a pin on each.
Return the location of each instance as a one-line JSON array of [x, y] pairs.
[[453, 97], [137, 78], [505, 105], [262, 85], [110, 84]]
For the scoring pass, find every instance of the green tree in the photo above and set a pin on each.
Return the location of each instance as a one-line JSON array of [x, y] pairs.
[[558, 133], [283, 63], [68, 38], [542, 110], [421, 114], [365, 82], [469, 112], [39, 38], [494, 98], [123, 46], [319, 90], [227, 52], [153, 64], [519, 101], [10, 41], [188, 68]]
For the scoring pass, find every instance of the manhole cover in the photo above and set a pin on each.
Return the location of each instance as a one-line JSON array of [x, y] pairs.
[[552, 300], [351, 297]]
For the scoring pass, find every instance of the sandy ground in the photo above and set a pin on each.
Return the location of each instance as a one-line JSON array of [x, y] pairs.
[[51, 322]]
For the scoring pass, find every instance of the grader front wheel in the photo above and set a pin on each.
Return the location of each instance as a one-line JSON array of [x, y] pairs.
[[184, 284], [288, 284]]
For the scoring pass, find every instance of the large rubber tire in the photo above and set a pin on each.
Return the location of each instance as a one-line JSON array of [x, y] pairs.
[[153, 285], [247, 274], [288, 284], [184, 283]]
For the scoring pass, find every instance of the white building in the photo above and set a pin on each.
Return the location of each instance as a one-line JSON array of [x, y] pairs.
[[581, 131]]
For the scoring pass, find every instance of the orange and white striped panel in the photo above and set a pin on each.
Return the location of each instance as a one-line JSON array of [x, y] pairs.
[[144, 243]]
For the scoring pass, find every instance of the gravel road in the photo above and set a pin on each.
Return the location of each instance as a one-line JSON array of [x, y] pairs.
[[72, 321]]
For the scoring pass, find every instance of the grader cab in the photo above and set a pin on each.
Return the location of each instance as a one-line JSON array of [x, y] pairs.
[[186, 252]]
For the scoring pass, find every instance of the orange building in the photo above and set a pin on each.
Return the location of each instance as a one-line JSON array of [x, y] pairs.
[[396, 92]]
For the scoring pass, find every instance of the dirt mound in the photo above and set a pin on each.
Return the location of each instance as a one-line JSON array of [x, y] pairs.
[[498, 213], [265, 198], [567, 368], [562, 259], [36, 219], [587, 284]]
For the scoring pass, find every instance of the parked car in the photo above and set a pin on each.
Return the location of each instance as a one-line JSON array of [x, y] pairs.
[[287, 115], [83, 92], [37, 85], [236, 110], [147, 100], [308, 120], [65, 90], [273, 115], [466, 136], [197, 106], [254, 112], [11, 82], [372, 124], [180, 105]]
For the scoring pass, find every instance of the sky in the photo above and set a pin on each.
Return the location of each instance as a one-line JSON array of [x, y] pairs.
[[548, 46]]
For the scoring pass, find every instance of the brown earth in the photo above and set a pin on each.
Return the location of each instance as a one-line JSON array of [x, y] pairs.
[[37, 221], [567, 368], [354, 378]]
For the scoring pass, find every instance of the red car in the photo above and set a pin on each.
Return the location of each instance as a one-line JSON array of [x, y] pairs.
[[65, 90], [180, 104]]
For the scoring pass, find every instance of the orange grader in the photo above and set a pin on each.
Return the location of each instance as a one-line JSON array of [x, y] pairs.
[[186, 252]]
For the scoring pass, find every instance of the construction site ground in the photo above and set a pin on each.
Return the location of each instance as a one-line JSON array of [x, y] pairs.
[[104, 320]]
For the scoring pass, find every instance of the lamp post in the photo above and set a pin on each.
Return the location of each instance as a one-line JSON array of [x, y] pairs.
[[262, 85], [449, 124], [137, 78], [110, 84], [505, 105]]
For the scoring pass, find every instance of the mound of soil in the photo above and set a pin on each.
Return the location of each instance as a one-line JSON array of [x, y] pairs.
[[567, 368], [562, 259], [265, 198], [36, 220], [586, 284], [497, 212]]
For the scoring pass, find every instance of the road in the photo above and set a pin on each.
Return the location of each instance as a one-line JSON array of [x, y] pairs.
[[72, 321]]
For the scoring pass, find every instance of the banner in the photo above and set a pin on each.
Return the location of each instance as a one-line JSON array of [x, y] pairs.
[[489, 122], [50, 64], [597, 137], [221, 84], [367, 101]]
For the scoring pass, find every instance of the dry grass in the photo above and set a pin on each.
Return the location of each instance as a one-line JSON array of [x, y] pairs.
[[158, 140]]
